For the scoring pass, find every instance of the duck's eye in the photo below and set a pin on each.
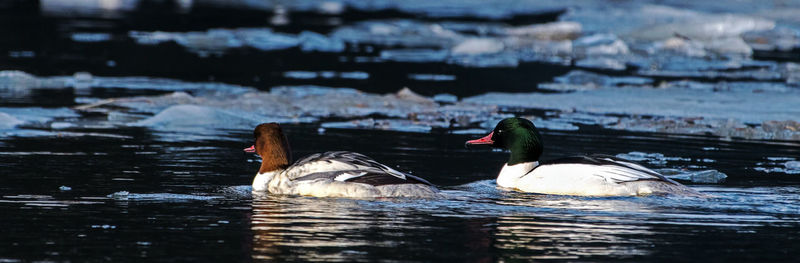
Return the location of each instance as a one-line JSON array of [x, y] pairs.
[[499, 131]]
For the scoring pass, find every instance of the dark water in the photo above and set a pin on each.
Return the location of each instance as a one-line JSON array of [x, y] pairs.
[[190, 202], [134, 194]]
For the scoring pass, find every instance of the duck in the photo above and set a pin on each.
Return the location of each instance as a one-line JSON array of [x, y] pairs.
[[328, 174], [590, 175]]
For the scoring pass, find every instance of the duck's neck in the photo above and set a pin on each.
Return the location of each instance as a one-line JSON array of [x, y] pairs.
[[512, 172], [274, 159], [525, 152], [268, 166]]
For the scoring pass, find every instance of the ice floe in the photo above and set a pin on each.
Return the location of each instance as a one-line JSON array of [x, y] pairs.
[[194, 116], [7, 121], [90, 37], [590, 34], [702, 177], [651, 158], [746, 106], [445, 98], [432, 77], [476, 46], [406, 33], [755, 110], [386, 124], [404, 110], [786, 165], [299, 74], [218, 40], [706, 29], [34, 115], [12, 80]]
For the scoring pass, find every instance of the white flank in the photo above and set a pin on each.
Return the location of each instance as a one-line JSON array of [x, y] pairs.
[[584, 180]]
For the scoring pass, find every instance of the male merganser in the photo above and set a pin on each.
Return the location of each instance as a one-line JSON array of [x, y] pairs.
[[593, 175], [329, 174]]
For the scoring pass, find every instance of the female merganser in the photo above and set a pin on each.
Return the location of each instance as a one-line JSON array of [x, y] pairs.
[[329, 174], [593, 175]]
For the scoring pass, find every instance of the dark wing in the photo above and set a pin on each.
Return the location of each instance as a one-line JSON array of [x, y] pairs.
[[613, 168], [348, 167]]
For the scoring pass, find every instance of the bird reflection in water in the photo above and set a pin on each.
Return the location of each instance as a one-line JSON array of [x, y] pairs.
[[289, 228], [463, 228]]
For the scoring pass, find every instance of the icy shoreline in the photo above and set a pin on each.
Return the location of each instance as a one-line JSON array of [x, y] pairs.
[[679, 68], [749, 111]]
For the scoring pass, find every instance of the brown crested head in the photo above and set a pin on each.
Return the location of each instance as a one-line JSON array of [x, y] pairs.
[[273, 147]]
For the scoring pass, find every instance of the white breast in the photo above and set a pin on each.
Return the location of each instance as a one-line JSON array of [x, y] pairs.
[[262, 179], [510, 174]]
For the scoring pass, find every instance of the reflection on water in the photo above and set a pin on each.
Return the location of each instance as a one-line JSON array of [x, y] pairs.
[[301, 229], [570, 241], [147, 198], [492, 225]]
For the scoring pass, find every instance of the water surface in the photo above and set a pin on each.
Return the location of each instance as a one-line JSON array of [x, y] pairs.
[[140, 179], [139, 197]]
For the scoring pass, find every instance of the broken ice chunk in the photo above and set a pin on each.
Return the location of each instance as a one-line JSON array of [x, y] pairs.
[[386, 124], [198, 116], [705, 27], [121, 195], [14, 80], [601, 63], [600, 44], [588, 78], [311, 41], [431, 77], [556, 125], [354, 75], [90, 37], [779, 39], [414, 55], [792, 73], [729, 46], [445, 98], [586, 119], [701, 177], [218, 40], [565, 87], [57, 125], [405, 33], [470, 131], [678, 45], [265, 39], [793, 166], [21, 54], [8, 121], [36, 114], [300, 74], [475, 46], [707, 177], [562, 30], [487, 60], [651, 158]]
